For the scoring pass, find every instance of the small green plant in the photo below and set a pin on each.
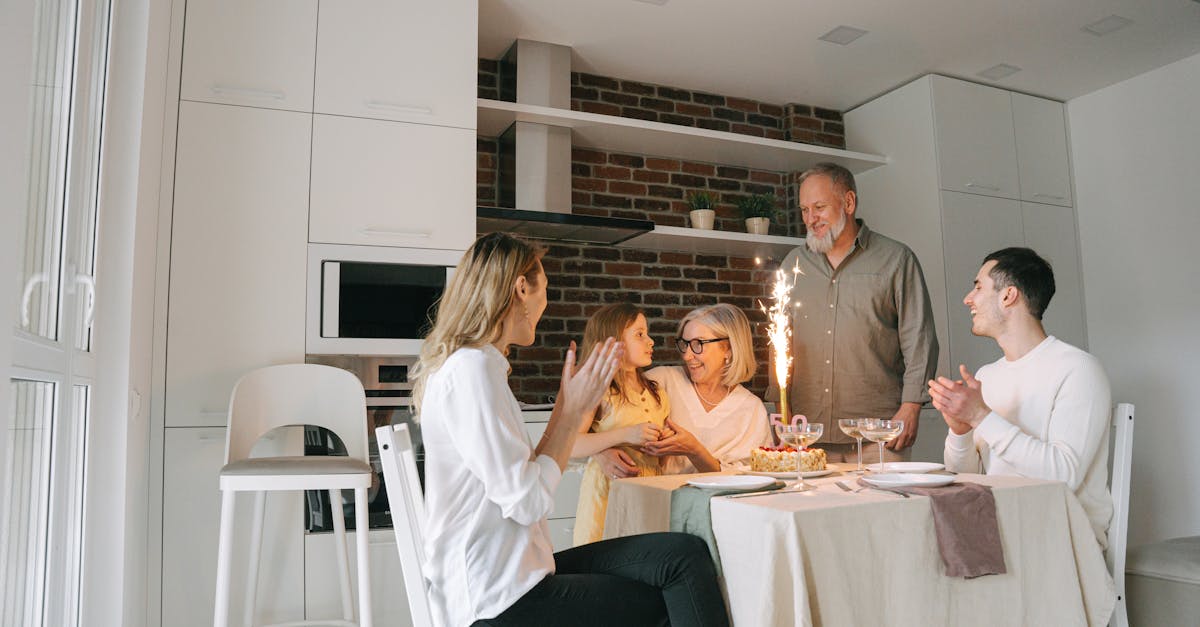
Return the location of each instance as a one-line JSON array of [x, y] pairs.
[[699, 200], [757, 206]]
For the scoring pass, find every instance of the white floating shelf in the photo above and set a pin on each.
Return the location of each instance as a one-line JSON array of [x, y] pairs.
[[728, 243], [656, 139]]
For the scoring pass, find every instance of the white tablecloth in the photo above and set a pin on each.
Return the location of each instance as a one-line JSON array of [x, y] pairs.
[[829, 557]]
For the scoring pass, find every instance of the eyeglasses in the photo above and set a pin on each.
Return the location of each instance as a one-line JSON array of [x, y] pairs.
[[697, 345]]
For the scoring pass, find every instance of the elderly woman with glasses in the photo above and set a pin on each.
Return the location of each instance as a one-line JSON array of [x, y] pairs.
[[714, 420]]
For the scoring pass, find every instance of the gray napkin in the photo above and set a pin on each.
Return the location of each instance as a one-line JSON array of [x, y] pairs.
[[968, 534], [691, 513]]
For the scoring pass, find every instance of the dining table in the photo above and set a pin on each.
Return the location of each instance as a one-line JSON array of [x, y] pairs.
[[836, 555]]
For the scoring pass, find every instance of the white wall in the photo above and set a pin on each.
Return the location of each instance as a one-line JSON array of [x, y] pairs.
[[1136, 150]]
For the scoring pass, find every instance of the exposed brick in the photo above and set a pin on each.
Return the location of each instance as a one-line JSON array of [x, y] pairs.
[[712, 261], [687, 180], [650, 176], [644, 285], [640, 256], [729, 114], [742, 104], [829, 140], [836, 128], [759, 176], [490, 66], [622, 297], [678, 120], [733, 276], [699, 273], [668, 165], [728, 172], [672, 285], [674, 94], [661, 271], [762, 120], [695, 110], [774, 133], [661, 299], [591, 80], [649, 204], [639, 114], [611, 172], [600, 107], [713, 287], [708, 99], [581, 169], [681, 259], [802, 136], [623, 269], [745, 289], [604, 200], [664, 192], [775, 111], [585, 93], [591, 185], [757, 188], [579, 266], [703, 169], [602, 282], [656, 104], [798, 109], [583, 198], [713, 125], [635, 87], [805, 122], [746, 129], [827, 114], [625, 187], [486, 80], [723, 184], [629, 161], [619, 98]]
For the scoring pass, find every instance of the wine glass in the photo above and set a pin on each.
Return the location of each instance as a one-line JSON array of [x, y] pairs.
[[799, 436], [850, 426], [880, 431]]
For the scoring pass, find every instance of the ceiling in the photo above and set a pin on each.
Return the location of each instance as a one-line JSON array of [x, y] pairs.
[[769, 50]]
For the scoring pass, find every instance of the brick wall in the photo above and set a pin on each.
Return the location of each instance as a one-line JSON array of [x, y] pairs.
[[665, 285]]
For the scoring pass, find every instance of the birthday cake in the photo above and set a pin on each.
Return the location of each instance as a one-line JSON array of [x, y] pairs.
[[783, 459]]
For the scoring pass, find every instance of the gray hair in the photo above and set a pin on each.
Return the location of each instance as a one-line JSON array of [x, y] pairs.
[[728, 321], [842, 178]]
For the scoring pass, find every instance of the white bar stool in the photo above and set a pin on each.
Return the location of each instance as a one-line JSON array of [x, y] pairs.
[[295, 394]]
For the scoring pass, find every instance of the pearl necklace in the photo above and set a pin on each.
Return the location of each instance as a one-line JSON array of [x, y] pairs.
[[705, 400]]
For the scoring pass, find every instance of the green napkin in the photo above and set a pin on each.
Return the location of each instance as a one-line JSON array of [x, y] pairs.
[[691, 513]]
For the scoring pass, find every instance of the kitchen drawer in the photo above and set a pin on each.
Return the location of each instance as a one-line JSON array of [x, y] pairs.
[[562, 533], [404, 60], [566, 499], [258, 53], [381, 183]]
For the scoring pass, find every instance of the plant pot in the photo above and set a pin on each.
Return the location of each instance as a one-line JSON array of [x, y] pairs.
[[702, 218], [758, 226]]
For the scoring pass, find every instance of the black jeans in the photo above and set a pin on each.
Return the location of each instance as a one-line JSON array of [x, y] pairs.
[[652, 579]]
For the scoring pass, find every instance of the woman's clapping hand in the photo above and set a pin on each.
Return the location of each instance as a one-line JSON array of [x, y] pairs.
[[582, 387]]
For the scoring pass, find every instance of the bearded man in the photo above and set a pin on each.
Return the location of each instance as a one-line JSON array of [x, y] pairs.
[[863, 341]]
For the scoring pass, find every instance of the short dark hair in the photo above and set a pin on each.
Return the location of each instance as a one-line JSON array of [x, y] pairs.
[[842, 178], [1028, 272]]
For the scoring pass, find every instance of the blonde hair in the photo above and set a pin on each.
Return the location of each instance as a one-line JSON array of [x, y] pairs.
[[728, 321], [611, 321], [479, 295]]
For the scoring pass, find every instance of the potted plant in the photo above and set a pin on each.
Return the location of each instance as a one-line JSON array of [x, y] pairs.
[[757, 210], [702, 214]]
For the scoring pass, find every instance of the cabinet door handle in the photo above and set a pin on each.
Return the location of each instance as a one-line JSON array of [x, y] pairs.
[[990, 188], [397, 107], [370, 232], [1050, 196], [225, 90]]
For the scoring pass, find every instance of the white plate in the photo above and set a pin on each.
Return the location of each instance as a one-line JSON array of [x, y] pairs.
[[807, 474], [905, 480], [731, 482], [915, 468]]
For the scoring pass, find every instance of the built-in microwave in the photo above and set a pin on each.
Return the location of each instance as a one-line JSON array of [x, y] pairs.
[[372, 300]]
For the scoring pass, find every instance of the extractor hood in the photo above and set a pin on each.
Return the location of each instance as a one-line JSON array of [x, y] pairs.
[[560, 227], [534, 160]]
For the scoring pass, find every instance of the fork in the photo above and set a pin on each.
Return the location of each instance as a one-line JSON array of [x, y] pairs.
[[845, 486]]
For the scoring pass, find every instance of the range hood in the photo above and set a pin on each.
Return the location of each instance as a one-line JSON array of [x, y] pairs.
[[534, 173]]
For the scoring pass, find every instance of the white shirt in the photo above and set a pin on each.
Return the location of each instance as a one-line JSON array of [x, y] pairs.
[[1050, 416], [486, 496], [736, 426]]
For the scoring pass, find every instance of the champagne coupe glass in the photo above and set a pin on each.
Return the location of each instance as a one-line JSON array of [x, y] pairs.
[[799, 436], [850, 426], [881, 431]]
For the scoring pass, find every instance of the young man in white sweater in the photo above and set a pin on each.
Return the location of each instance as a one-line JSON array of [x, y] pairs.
[[1040, 411]]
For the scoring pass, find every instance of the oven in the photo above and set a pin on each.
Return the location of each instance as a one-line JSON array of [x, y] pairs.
[[389, 402]]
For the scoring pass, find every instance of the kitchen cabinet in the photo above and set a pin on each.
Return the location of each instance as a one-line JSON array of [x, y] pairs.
[[381, 183], [921, 196], [403, 60], [976, 146], [191, 521], [238, 253], [322, 587], [1041, 137], [258, 54]]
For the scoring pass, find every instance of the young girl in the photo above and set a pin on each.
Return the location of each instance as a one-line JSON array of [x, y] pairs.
[[631, 414]]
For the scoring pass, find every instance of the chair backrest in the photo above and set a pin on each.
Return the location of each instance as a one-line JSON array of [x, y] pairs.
[[297, 394], [408, 515], [1122, 423]]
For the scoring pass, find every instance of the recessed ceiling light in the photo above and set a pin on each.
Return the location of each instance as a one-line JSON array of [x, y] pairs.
[[999, 71], [843, 35], [658, 2], [1107, 25]]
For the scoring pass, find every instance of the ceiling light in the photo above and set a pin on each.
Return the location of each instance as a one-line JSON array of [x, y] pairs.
[[843, 35], [1107, 25], [658, 2], [999, 71]]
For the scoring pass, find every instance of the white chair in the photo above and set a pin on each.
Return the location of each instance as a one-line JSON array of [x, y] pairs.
[[295, 394], [1118, 529], [408, 515]]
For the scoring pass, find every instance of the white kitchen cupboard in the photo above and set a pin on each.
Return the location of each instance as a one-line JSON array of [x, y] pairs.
[[191, 519], [258, 53], [238, 253], [403, 60], [382, 183], [1042, 159], [951, 227], [976, 144], [322, 592]]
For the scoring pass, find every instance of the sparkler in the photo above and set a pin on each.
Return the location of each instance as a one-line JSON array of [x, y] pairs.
[[779, 331]]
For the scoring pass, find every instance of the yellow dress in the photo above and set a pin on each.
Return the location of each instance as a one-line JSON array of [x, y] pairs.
[[593, 491]]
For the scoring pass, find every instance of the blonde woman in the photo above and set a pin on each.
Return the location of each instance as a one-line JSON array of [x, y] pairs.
[[714, 420], [489, 490], [631, 414]]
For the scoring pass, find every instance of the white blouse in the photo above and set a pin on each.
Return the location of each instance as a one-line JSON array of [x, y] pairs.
[[736, 426], [486, 496]]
